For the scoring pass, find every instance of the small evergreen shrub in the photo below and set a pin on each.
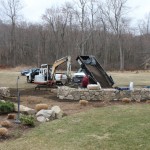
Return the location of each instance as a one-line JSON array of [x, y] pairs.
[[27, 120], [6, 107]]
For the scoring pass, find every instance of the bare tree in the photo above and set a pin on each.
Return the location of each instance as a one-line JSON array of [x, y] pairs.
[[57, 20], [11, 9], [93, 8], [80, 10], [115, 11], [144, 25]]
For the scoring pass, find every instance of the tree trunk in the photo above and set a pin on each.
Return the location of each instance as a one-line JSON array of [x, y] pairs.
[[121, 54]]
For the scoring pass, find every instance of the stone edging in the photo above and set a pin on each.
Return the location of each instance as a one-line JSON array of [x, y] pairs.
[[66, 93]]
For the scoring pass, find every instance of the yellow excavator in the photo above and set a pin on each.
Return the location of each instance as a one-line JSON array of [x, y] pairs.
[[48, 76]]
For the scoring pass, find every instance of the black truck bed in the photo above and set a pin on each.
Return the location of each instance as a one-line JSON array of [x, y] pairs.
[[95, 71]]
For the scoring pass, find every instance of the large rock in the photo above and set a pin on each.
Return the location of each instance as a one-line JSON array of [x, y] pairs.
[[93, 87], [25, 110], [4, 91], [58, 112], [47, 114], [3, 101], [41, 119]]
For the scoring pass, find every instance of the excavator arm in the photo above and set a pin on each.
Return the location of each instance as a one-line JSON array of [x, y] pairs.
[[59, 62]]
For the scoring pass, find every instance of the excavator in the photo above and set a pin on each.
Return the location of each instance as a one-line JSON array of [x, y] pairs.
[[48, 76]]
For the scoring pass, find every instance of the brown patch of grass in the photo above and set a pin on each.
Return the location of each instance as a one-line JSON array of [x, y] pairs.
[[148, 101], [32, 99]]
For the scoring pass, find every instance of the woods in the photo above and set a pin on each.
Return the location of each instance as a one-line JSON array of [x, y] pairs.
[[81, 27]]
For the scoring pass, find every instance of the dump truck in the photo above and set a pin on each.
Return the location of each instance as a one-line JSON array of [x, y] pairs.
[[95, 71]]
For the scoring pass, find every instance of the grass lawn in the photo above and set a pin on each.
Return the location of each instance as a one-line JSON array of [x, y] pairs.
[[139, 79], [118, 127], [9, 78]]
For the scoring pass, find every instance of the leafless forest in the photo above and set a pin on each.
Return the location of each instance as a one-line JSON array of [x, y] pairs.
[[81, 27]]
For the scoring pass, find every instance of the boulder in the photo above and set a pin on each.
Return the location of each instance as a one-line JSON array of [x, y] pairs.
[[93, 87], [58, 112], [3, 101], [47, 114], [41, 119], [4, 91], [25, 110], [54, 91]]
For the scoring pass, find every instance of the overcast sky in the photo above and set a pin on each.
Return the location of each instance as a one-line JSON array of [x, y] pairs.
[[33, 9]]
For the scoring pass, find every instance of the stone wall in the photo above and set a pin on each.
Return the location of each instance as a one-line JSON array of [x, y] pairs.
[[66, 93]]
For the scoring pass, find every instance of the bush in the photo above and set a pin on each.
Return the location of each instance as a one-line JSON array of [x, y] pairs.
[[27, 120], [39, 107], [3, 132], [6, 124], [6, 107]]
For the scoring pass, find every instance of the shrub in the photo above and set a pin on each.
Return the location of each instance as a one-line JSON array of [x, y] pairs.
[[27, 120], [83, 102], [6, 107], [38, 107], [11, 116], [3, 132], [126, 100], [6, 124]]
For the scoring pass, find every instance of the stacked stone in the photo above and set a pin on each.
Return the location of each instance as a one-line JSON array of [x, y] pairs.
[[67, 93]]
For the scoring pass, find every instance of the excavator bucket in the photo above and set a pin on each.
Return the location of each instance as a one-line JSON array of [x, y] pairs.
[[94, 70]]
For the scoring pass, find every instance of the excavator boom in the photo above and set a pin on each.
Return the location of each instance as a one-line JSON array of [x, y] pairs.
[[59, 62]]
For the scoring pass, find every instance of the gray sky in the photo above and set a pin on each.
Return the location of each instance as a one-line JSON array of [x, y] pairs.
[[33, 9]]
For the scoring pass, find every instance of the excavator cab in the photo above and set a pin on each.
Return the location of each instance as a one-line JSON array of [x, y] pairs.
[[47, 72], [44, 75]]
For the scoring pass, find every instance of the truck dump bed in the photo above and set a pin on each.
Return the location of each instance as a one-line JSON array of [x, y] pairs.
[[95, 71]]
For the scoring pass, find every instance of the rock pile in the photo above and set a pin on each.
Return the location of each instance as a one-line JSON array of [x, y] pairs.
[[4, 92], [44, 114], [49, 114], [25, 110]]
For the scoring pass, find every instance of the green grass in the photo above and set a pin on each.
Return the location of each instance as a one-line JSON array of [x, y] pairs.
[[9, 79], [125, 127]]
